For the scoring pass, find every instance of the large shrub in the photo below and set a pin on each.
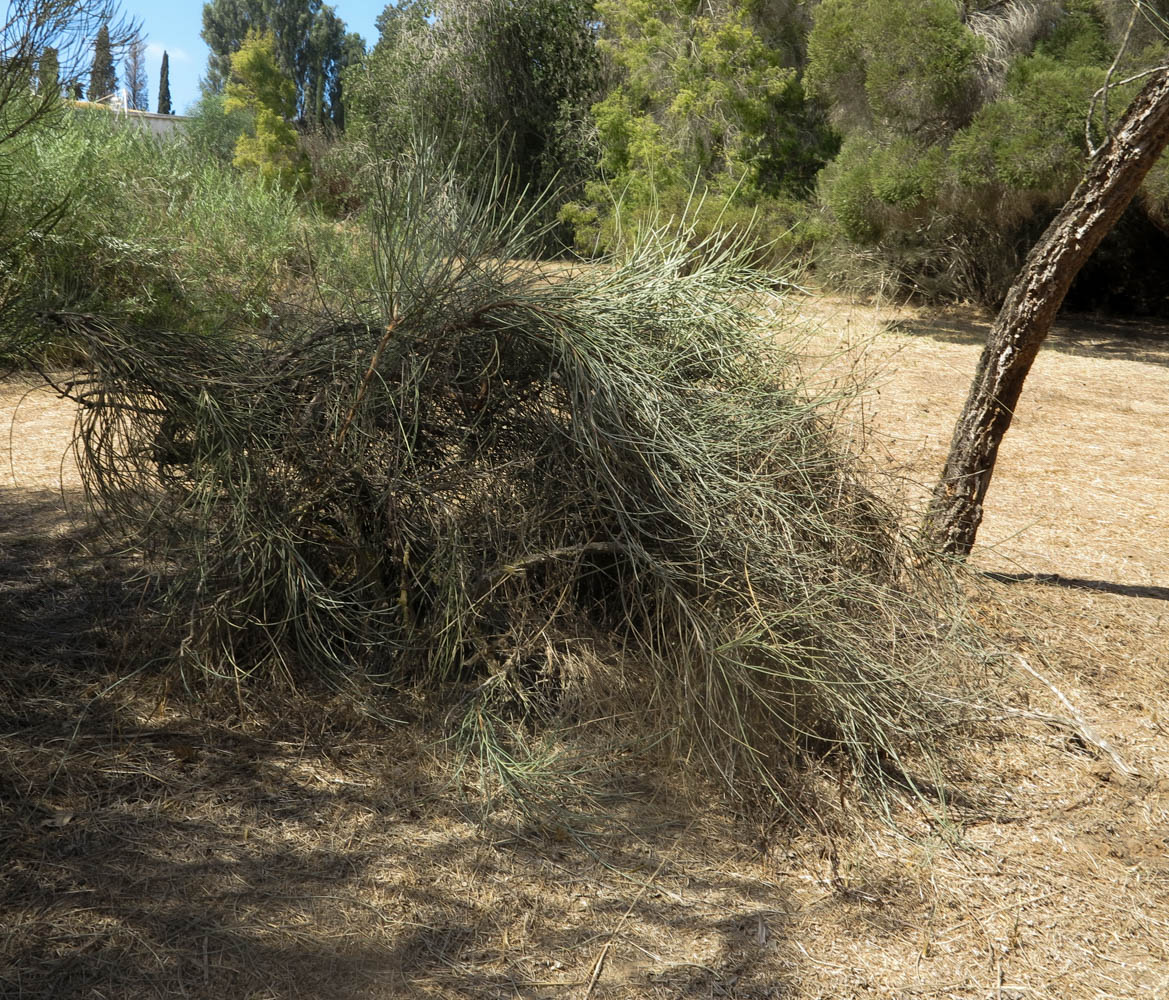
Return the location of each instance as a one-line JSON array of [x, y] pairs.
[[592, 498]]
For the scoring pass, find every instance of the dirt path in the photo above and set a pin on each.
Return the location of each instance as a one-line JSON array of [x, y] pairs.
[[146, 853]]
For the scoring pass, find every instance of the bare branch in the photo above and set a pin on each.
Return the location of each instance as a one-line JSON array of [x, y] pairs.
[[1101, 95]]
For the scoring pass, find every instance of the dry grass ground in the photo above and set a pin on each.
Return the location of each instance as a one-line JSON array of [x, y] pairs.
[[151, 846]]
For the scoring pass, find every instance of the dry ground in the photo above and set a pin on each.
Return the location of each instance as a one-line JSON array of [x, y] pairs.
[[147, 851]]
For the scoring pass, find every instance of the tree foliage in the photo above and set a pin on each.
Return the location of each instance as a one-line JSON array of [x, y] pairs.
[[965, 127], [103, 77], [486, 80], [259, 88], [164, 104], [706, 96], [311, 43]]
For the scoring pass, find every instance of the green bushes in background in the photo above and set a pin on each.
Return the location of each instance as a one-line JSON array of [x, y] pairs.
[[704, 103], [159, 233], [965, 128]]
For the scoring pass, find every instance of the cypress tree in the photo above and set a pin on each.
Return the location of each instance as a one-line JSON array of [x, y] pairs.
[[164, 105], [103, 79], [48, 72]]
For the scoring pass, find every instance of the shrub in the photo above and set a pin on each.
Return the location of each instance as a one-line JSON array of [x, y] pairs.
[[963, 138], [156, 232], [905, 65], [257, 88], [214, 131], [583, 497], [779, 233]]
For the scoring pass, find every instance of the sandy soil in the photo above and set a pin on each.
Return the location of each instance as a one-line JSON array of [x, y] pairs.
[[145, 851]]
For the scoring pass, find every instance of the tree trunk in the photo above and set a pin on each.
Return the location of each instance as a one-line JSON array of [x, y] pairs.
[[1113, 177]]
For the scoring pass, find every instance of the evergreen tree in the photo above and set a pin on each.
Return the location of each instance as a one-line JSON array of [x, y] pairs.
[[706, 100], [48, 72], [103, 79], [164, 105], [259, 87], [311, 45]]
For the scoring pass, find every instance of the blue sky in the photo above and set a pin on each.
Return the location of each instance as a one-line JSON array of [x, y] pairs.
[[175, 26]]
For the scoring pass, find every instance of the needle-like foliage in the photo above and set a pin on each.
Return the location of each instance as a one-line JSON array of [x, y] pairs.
[[593, 493]]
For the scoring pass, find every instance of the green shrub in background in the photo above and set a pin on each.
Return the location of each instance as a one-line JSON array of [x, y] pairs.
[[780, 231], [907, 66], [269, 147], [158, 232], [487, 82], [964, 132], [213, 130], [704, 104]]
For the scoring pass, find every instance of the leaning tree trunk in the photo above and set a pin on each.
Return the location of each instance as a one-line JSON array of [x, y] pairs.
[[1113, 176]]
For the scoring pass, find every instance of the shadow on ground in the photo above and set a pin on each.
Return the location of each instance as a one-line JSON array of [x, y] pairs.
[[1084, 336], [1076, 583], [147, 850]]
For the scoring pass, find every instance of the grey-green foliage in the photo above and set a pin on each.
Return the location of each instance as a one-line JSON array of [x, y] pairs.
[[155, 233], [598, 498], [41, 43], [489, 80], [313, 49], [965, 127], [214, 130]]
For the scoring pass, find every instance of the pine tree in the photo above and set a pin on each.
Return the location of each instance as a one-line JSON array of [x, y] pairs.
[[164, 105], [48, 72], [103, 79]]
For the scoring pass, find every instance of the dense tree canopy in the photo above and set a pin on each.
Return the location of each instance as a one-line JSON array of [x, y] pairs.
[[486, 79], [312, 48], [704, 97], [965, 127]]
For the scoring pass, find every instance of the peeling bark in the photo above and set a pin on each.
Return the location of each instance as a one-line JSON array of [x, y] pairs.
[[1113, 177]]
